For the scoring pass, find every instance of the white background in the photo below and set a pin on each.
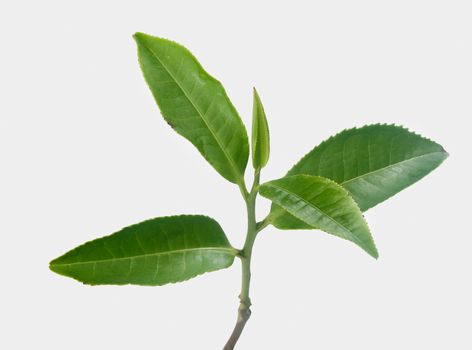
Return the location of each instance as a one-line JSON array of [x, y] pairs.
[[85, 152]]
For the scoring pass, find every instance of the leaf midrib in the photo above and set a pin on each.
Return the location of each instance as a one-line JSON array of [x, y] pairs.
[[390, 166], [230, 160], [229, 251]]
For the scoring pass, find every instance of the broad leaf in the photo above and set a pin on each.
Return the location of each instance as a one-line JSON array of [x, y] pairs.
[[154, 252], [323, 204], [260, 134], [195, 104], [373, 163]]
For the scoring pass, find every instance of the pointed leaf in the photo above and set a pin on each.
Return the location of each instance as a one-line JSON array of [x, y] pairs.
[[154, 252], [321, 203], [194, 104], [373, 163], [260, 134]]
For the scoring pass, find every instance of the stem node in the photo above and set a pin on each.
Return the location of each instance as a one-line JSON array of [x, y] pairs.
[[244, 310]]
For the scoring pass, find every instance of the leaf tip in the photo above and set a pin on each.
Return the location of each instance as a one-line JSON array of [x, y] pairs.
[[142, 38], [138, 36], [54, 266], [370, 249], [375, 254], [52, 263], [446, 153], [256, 95]]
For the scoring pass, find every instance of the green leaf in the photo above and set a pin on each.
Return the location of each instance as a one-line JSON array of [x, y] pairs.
[[373, 163], [260, 134], [321, 203], [195, 104], [154, 252]]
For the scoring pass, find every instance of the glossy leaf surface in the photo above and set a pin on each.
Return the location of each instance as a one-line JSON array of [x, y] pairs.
[[323, 204], [260, 134], [373, 163], [154, 252], [195, 104]]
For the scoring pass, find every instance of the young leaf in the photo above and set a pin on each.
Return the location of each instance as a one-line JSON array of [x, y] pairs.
[[321, 203], [260, 134], [154, 252], [373, 163], [195, 104]]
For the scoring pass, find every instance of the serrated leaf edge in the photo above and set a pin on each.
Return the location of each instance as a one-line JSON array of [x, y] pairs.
[[239, 177], [361, 128], [270, 218]]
